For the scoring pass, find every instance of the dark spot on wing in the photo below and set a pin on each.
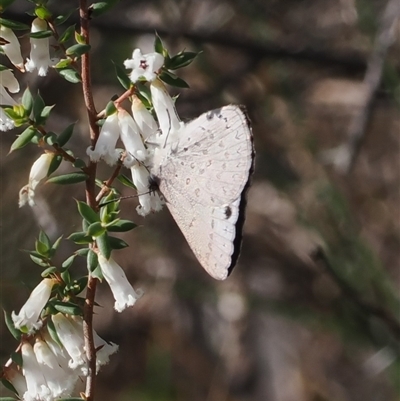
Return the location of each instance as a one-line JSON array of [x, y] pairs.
[[228, 212], [213, 113]]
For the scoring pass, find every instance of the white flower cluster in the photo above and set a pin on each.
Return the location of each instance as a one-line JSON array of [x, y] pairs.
[[140, 133], [51, 368], [39, 60]]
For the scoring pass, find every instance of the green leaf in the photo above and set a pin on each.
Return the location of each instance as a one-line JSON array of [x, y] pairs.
[[87, 212], [38, 106], [41, 248], [23, 139], [110, 108], [53, 332], [15, 26], [43, 237], [123, 78], [79, 163], [16, 357], [159, 47], [60, 19], [182, 59], [101, 7], [48, 271], [63, 63], [66, 277], [27, 101], [41, 119], [68, 308], [173, 80], [82, 252], [97, 273], [65, 136], [54, 164], [104, 246], [50, 138], [80, 39], [121, 226], [92, 260], [42, 262], [10, 326], [96, 229], [123, 179], [42, 12], [70, 75], [66, 179], [68, 262], [143, 93], [77, 50], [67, 34], [57, 243], [41, 34], [80, 238], [117, 243]]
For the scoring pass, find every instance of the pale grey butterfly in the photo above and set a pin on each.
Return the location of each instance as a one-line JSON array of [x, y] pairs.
[[203, 174]]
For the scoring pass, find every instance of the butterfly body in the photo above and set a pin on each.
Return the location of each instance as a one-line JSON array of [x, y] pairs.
[[203, 173]]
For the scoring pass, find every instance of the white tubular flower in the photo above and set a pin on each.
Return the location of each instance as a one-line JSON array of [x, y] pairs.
[[61, 355], [164, 107], [38, 172], [35, 380], [12, 49], [144, 65], [40, 50], [123, 292], [130, 137], [103, 349], [59, 382], [13, 374], [72, 340], [7, 80], [145, 121], [149, 201], [105, 145], [27, 319]]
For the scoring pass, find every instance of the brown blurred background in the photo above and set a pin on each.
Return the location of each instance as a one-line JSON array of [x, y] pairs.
[[311, 311]]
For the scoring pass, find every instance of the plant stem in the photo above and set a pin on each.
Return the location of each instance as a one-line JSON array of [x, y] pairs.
[[90, 199]]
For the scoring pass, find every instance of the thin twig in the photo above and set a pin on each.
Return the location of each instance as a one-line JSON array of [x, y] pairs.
[[108, 183], [370, 309], [345, 155]]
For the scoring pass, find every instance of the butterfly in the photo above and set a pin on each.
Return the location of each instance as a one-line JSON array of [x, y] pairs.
[[203, 174]]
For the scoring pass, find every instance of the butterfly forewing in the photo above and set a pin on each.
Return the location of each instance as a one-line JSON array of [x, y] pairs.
[[203, 178]]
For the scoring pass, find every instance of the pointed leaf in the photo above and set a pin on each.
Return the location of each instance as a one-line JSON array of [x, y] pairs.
[[92, 260], [68, 308], [96, 229], [27, 101], [41, 34], [65, 136], [121, 226], [38, 106], [123, 78], [104, 246], [180, 60], [80, 238], [48, 271], [60, 19], [23, 139], [77, 50], [42, 12], [72, 178], [15, 26], [42, 262], [117, 243], [54, 164], [67, 34], [10, 326], [68, 262], [173, 80], [70, 75], [123, 179], [87, 212]]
